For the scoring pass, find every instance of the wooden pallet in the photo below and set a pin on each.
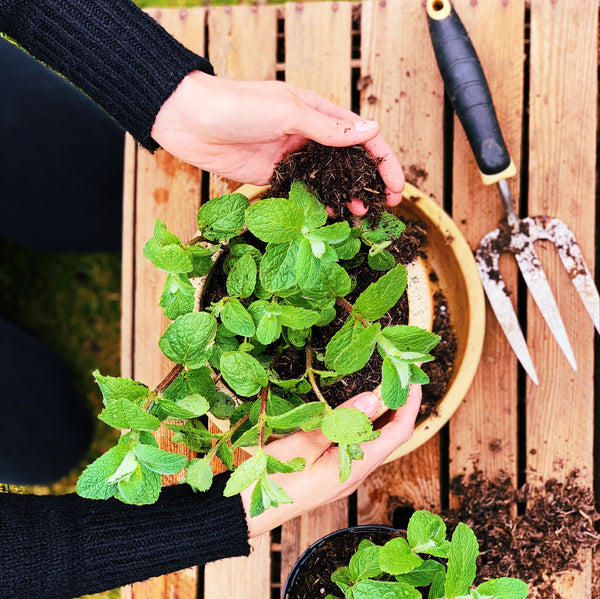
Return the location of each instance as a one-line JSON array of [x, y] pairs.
[[505, 423]]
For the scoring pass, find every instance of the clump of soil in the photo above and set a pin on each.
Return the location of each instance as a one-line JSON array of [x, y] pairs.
[[337, 175], [535, 546], [314, 578]]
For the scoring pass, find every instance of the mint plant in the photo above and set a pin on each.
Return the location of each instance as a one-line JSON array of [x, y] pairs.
[[396, 569], [282, 280]]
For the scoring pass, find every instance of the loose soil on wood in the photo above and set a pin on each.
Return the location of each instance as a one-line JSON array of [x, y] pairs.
[[535, 543]]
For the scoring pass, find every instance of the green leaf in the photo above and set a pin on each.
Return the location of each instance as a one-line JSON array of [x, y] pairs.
[[222, 218], [242, 277], [425, 531], [236, 318], [461, 561], [246, 473], [393, 392], [347, 249], [225, 454], [335, 233], [159, 460], [503, 588], [129, 488], [365, 562], [222, 407], [396, 557], [142, 488], [380, 589], [123, 414], [294, 418], [275, 220], [381, 260], [342, 578], [314, 212], [93, 482], [293, 465], [243, 373], [344, 462], [199, 474], [196, 404], [278, 266], [201, 258], [348, 425], [308, 265], [297, 318], [196, 381], [382, 295], [125, 469], [351, 347], [166, 251], [391, 225], [189, 338], [408, 338], [178, 296], [113, 388], [437, 591], [422, 575]]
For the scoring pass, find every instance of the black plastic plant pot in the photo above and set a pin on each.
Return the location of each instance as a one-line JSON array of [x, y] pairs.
[[311, 574]]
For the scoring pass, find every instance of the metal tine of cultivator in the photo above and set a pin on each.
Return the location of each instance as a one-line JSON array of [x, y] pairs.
[[558, 233], [487, 260]]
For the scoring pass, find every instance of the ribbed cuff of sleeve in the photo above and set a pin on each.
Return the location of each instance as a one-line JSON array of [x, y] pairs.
[[66, 546], [112, 50]]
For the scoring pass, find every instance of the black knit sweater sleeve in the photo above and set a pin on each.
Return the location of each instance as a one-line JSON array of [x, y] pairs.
[[113, 51], [66, 546]]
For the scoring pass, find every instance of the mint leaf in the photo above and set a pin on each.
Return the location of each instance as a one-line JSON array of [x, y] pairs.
[[342, 578], [347, 249], [503, 588], [197, 381], [348, 425], [335, 233], [422, 575], [461, 561], [125, 469], [294, 418], [236, 318], [243, 373], [93, 482], [308, 265], [344, 462], [396, 557], [425, 531], [380, 259], [351, 347], [379, 589], [391, 225], [188, 339], [275, 220], [408, 338], [278, 266], [121, 413], [365, 562], [382, 295], [142, 488], [199, 474], [293, 465], [394, 391], [297, 318], [246, 473], [166, 251], [242, 277], [159, 460], [113, 388], [436, 590], [201, 259], [178, 296], [313, 212], [222, 218]]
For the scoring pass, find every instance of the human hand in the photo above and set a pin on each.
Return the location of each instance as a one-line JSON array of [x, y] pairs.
[[242, 129], [318, 483]]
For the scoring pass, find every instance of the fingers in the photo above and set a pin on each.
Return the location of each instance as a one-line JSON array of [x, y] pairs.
[[332, 131], [313, 444], [389, 168]]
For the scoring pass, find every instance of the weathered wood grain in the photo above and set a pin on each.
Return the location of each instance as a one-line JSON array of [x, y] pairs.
[[483, 432], [401, 91], [562, 170]]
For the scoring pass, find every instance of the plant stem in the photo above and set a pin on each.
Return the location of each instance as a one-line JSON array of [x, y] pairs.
[[225, 437], [261, 419], [311, 374], [164, 384], [340, 301]]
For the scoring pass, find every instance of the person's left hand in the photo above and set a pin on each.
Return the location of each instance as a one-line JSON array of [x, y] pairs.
[[242, 129], [318, 483]]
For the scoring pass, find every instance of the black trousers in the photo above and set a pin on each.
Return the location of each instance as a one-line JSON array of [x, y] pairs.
[[61, 176]]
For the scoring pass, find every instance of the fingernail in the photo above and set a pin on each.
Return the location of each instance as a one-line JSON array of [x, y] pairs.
[[367, 403], [362, 126]]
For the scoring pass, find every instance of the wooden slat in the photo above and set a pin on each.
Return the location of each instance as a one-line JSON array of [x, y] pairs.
[[168, 189], [562, 170], [483, 430], [317, 57], [242, 46], [406, 97]]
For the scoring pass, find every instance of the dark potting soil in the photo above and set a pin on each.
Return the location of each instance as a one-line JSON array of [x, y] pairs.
[[337, 175], [314, 578], [535, 544]]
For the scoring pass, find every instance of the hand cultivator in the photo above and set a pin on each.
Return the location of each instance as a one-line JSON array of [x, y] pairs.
[[467, 88]]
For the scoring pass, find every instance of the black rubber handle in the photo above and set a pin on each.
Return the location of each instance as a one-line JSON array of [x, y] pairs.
[[468, 90]]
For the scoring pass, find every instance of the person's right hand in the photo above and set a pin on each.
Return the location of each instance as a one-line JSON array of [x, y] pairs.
[[242, 129], [318, 483]]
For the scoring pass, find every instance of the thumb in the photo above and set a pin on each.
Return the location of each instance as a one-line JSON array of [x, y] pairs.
[[332, 131]]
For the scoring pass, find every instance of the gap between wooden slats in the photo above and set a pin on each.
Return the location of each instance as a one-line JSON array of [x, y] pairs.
[[562, 171]]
